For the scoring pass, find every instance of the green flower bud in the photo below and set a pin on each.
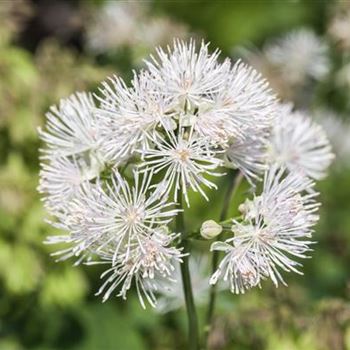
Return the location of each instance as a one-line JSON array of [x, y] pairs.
[[210, 229]]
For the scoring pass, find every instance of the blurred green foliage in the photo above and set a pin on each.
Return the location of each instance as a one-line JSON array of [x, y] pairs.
[[45, 305]]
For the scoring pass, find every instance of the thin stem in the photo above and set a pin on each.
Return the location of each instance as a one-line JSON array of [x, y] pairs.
[[236, 179], [193, 334]]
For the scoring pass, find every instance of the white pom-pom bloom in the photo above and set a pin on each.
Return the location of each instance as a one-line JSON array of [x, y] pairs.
[[71, 128], [244, 102], [222, 100], [77, 241], [249, 155], [188, 76], [146, 262], [114, 215], [300, 144], [298, 56], [276, 226], [127, 115], [183, 88], [186, 159], [72, 153], [60, 180]]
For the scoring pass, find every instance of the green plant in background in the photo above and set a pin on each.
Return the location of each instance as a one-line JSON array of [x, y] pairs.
[[34, 314]]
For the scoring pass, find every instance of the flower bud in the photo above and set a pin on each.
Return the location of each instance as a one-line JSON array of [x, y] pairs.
[[242, 208], [210, 229]]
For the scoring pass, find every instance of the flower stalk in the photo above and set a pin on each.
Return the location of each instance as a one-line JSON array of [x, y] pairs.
[[193, 333]]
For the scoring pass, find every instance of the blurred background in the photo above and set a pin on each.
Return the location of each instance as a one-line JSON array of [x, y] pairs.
[[51, 48]]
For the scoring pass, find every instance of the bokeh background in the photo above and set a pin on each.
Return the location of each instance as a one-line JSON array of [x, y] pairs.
[[51, 48]]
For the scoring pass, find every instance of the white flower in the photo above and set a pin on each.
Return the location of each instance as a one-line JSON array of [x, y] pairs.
[[71, 155], [299, 55], [240, 267], [71, 128], [127, 115], [220, 101], [276, 227], [188, 77], [300, 144], [60, 180], [186, 159], [114, 215], [247, 98], [77, 240], [222, 104], [245, 103], [148, 260], [249, 155]]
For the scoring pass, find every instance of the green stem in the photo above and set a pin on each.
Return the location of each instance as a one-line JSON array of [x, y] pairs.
[[193, 334], [236, 178]]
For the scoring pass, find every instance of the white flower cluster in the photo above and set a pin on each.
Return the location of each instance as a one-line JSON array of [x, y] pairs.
[[275, 227], [115, 167]]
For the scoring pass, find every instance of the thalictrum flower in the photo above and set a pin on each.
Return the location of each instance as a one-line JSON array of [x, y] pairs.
[[300, 144], [114, 215], [187, 160], [61, 179], [146, 262], [276, 227], [71, 128]]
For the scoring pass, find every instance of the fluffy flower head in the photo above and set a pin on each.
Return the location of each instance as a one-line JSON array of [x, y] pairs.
[[152, 259], [276, 227], [115, 217], [300, 144]]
